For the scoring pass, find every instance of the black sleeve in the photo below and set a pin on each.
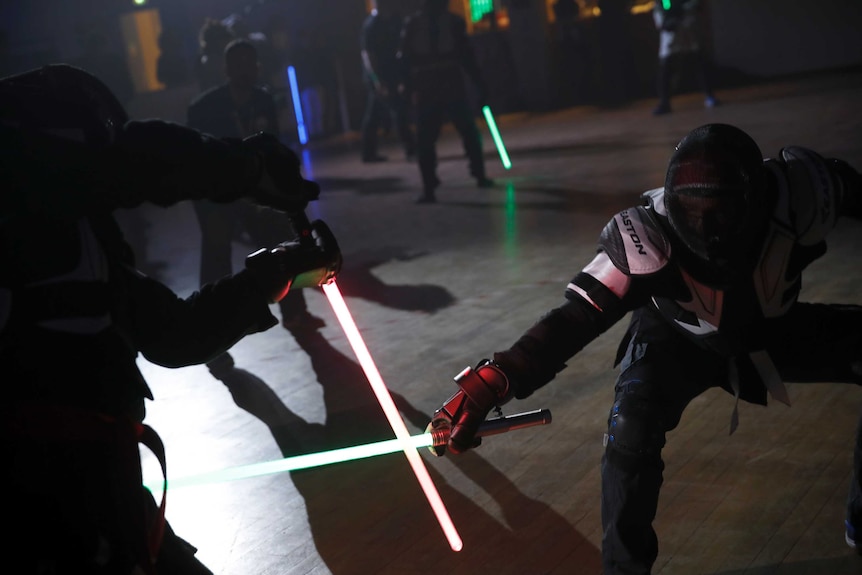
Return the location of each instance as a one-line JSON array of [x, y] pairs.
[[153, 160], [175, 332], [542, 352], [164, 163]]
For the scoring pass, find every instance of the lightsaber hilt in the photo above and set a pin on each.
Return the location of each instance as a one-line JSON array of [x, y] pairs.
[[503, 424]]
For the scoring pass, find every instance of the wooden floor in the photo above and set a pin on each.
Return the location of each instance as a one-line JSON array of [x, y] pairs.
[[436, 288]]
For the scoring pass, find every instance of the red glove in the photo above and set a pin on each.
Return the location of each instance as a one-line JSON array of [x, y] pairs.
[[480, 390]]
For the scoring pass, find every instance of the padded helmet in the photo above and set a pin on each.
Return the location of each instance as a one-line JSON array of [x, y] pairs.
[[64, 101], [715, 196]]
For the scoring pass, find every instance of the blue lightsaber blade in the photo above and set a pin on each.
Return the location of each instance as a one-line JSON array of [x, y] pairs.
[[297, 105]]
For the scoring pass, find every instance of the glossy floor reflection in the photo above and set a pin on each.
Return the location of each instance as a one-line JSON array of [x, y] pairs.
[[434, 288]]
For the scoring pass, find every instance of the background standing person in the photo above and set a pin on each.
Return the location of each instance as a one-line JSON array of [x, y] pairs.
[[378, 40], [209, 68], [237, 109], [75, 313], [434, 54], [710, 267], [680, 44]]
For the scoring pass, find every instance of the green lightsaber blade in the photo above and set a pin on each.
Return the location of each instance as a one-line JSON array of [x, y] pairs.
[[495, 133], [494, 426], [294, 463]]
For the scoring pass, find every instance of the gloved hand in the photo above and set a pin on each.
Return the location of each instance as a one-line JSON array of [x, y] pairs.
[[296, 264], [280, 184], [480, 390]]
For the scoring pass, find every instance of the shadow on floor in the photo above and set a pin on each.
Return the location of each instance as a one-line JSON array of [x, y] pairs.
[[377, 502]]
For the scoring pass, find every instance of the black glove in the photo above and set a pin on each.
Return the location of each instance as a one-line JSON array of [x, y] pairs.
[[280, 184], [480, 390], [296, 264]]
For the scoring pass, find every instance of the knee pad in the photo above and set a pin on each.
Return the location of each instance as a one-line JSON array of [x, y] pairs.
[[635, 432]]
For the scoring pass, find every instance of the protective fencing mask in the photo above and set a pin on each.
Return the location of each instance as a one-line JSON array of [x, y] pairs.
[[715, 196]]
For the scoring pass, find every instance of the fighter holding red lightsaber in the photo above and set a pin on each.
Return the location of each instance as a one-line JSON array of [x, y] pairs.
[[71, 423], [75, 312]]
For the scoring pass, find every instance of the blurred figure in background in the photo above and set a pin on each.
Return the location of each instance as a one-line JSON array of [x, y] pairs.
[[680, 33], [434, 55], [378, 40], [237, 109], [214, 36], [240, 28]]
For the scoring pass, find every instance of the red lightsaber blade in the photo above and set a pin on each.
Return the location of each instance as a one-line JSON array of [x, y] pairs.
[[333, 294]]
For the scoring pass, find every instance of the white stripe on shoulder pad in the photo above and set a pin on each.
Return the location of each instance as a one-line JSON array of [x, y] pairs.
[[607, 274]]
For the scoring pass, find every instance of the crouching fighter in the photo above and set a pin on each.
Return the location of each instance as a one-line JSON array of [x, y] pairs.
[[75, 312], [710, 265]]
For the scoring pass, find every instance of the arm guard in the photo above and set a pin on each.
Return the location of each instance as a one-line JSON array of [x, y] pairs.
[[818, 191], [154, 161], [632, 246]]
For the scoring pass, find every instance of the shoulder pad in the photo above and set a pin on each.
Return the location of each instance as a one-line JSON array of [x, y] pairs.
[[635, 242], [813, 196]]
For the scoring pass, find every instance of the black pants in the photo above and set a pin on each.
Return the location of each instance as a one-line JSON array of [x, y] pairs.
[[377, 107], [220, 224], [429, 121], [662, 371]]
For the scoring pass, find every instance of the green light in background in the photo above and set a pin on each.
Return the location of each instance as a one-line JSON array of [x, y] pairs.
[[511, 241], [665, 4], [495, 133], [478, 8]]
